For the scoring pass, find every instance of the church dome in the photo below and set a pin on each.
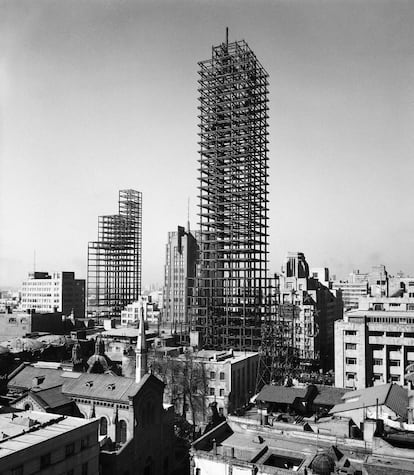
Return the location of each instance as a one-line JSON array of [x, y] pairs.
[[97, 364], [323, 464]]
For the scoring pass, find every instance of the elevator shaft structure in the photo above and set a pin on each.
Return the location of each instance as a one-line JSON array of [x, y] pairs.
[[114, 261], [229, 303]]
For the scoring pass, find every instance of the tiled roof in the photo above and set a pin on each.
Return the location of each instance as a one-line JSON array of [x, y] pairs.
[[281, 394], [25, 378], [329, 395], [105, 386], [51, 397], [391, 395]]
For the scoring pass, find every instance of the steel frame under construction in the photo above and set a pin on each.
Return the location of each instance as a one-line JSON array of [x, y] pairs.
[[114, 261], [229, 302]]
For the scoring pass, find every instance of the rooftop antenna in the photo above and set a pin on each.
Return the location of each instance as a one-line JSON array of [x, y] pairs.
[[227, 36]]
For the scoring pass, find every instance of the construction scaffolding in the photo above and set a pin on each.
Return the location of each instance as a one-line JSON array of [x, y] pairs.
[[114, 261], [229, 301]]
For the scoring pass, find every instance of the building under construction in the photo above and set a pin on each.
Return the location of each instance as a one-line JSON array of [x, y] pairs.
[[114, 260], [231, 288]]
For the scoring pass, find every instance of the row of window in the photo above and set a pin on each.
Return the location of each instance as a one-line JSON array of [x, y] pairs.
[[213, 375], [212, 392], [46, 459]]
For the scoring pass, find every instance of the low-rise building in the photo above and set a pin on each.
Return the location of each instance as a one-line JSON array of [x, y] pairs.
[[131, 313], [21, 323], [49, 444], [226, 378], [386, 402], [244, 446]]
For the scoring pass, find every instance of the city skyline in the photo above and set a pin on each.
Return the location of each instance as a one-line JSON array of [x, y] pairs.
[[101, 96]]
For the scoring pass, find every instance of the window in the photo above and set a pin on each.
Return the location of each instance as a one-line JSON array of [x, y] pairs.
[[377, 361], [350, 346], [351, 361], [377, 377], [85, 468], [393, 334], [221, 392], [103, 426], [70, 450], [122, 432], [376, 333], [222, 376], [212, 392], [395, 362], [212, 375], [85, 443], [45, 460], [350, 332], [17, 470], [395, 378], [350, 375]]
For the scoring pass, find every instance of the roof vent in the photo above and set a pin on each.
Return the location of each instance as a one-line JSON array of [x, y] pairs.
[[258, 439], [111, 386], [89, 384], [38, 380]]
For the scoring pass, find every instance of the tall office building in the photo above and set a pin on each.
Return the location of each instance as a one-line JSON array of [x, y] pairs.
[[228, 305], [114, 260], [56, 292], [180, 268]]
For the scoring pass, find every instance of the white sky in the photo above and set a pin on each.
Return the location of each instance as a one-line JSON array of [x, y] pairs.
[[99, 95]]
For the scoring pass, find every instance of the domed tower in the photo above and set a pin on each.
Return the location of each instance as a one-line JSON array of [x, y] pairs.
[[98, 362], [141, 351], [323, 464], [77, 361]]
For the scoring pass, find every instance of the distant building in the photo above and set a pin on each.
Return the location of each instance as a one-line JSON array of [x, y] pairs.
[[180, 270], [376, 283], [56, 292], [36, 442], [18, 324], [114, 260], [131, 313], [313, 308]]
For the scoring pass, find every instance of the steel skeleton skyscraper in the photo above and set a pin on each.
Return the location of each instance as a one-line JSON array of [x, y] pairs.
[[114, 261], [228, 307]]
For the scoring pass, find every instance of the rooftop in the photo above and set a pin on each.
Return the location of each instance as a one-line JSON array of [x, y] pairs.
[[15, 433], [392, 395], [105, 386]]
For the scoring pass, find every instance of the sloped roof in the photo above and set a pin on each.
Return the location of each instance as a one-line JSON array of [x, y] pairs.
[[329, 395], [24, 379], [106, 386], [51, 397], [281, 394], [391, 395]]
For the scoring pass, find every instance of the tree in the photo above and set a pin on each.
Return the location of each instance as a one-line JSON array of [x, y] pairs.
[[186, 383]]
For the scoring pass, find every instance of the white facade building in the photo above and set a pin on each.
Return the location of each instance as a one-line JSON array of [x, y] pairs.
[[56, 292], [375, 343]]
